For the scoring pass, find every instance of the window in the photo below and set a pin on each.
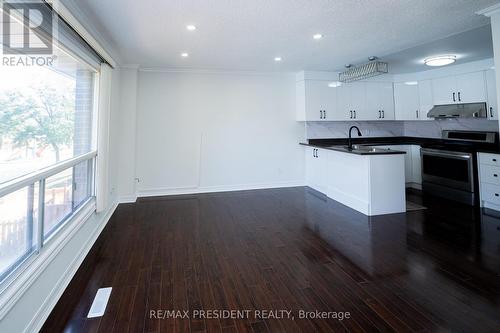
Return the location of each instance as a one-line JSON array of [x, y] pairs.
[[47, 126]]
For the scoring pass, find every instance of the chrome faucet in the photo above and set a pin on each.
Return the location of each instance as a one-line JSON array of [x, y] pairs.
[[349, 141]]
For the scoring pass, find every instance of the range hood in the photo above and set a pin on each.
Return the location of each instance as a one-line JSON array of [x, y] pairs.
[[468, 110]]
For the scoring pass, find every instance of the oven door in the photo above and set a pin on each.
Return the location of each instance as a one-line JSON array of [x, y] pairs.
[[448, 168]]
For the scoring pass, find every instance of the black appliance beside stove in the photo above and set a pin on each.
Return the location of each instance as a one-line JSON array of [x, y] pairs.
[[449, 168]]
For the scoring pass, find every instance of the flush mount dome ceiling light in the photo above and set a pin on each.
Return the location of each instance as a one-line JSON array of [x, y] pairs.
[[334, 84], [440, 60]]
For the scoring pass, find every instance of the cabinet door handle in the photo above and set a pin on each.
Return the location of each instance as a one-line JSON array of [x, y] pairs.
[[494, 159], [354, 114], [416, 113], [496, 195], [454, 97], [351, 113], [495, 175], [491, 112], [324, 114], [383, 114], [459, 97], [379, 114]]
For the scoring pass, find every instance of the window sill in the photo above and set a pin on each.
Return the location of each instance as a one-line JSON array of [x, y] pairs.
[[15, 285]]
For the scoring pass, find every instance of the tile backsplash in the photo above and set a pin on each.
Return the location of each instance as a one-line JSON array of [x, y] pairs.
[[339, 129], [429, 129]]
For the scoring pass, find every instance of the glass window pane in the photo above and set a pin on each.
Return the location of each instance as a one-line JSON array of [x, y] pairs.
[[82, 183], [18, 220], [58, 200], [45, 114], [64, 193]]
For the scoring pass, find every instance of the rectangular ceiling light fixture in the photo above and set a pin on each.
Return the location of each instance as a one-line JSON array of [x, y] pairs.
[[373, 68]]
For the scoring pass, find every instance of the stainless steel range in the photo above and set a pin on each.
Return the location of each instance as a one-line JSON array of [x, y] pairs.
[[449, 168]]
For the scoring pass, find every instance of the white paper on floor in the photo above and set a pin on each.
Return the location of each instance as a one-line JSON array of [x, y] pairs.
[[99, 304]]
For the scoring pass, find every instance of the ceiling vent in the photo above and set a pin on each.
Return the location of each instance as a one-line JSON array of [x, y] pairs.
[[373, 68]]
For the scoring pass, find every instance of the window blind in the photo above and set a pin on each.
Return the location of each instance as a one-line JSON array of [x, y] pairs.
[[50, 27]]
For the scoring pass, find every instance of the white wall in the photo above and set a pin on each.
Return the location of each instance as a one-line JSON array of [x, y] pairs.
[[200, 132], [126, 123]]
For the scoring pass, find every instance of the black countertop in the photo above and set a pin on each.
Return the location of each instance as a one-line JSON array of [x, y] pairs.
[[403, 140], [343, 149]]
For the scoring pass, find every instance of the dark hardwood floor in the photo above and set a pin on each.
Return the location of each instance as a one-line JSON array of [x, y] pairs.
[[433, 270]]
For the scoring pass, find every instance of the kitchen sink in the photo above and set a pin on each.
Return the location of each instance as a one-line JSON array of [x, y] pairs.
[[364, 150]]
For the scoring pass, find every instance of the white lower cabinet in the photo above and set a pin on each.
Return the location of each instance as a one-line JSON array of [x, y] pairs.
[[316, 159], [413, 167], [370, 184], [489, 180]]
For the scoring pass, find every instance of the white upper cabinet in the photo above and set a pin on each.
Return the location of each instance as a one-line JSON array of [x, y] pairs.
[[344, 110], [425, 99], [351, 102], [406, 101], [444, 90], [463, 88], [320, 99], [491, 89], [316, 100], [380, 100], [471, 88], [357, 100]]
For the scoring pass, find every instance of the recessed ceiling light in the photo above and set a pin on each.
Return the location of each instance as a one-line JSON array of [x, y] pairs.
[[191, 27], [184, 54], [411, 83], [277, 59], [317, 36], [440, 60], [334, 84]]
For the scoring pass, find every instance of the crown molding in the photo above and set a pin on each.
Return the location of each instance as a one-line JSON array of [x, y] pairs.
[[212, 71], [490, 11], [129, 66]]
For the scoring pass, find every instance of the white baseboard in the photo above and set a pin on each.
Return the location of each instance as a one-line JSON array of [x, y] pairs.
[[127, 199], [50, 302], [415, 186], [210, 189]]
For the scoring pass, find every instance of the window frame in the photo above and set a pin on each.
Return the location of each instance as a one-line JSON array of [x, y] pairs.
[[39, 177]]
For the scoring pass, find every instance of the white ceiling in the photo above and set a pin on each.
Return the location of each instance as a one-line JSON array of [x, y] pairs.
[[247, 35], [471, 45]]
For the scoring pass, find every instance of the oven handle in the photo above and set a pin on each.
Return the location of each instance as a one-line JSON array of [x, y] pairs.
[[435, 152]]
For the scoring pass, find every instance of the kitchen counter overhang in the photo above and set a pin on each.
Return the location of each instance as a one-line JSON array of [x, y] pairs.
[[357, 149]]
